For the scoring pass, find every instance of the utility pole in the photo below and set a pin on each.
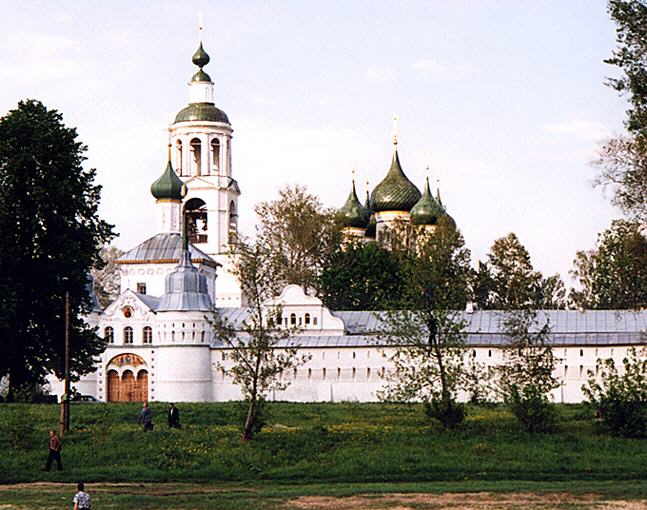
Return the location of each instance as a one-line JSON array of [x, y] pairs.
[[64, 422]]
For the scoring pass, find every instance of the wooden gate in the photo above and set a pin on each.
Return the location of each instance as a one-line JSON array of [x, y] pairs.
[[127, 387]]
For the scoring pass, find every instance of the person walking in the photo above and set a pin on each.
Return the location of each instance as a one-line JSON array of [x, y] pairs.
[[173, 416], [55, 446], [81, 499], [146, 417]]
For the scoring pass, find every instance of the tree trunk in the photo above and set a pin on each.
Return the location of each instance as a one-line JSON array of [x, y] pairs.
[[250, 420]]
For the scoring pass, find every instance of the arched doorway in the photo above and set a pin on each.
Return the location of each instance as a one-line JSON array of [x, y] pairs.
[[127, 379]]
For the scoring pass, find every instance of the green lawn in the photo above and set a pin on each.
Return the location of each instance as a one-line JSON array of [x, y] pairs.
[[313, 444]]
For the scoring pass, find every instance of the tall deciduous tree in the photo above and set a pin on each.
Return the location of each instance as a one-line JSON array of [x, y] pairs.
[[509, 281], [623, 160], [51, 236], [260, 353], [300, 233], [614, 274], [426, 336]]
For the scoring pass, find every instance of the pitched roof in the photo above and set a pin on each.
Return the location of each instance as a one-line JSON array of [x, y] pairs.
[[164, 248]]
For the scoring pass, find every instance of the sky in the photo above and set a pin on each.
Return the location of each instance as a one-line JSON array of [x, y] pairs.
[[502, 103]]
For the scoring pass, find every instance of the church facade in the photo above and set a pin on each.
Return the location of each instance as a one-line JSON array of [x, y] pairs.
[[160, 345]]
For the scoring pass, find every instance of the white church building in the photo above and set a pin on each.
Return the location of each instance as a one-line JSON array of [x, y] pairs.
[[159, 342]]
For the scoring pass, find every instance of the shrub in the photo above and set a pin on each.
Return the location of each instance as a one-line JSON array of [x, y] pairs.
[[447, 412], [619, 397], [533, 409]]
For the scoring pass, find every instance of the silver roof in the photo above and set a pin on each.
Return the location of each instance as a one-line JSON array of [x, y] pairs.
[[151, 302], [166, 247], [186, 289], [568, 327]]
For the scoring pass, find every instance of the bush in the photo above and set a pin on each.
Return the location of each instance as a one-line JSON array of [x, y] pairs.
[[620, 399], [533, 409], [449, 413]]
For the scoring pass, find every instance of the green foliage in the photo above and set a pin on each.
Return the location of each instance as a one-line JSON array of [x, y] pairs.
[[427, 337], [508, 280], [361, 276], [526, 376], [299, 233], [623, 160], [449, 413], [532, 408], [619, 396], [51, 234], [259, 356], [614, 274]]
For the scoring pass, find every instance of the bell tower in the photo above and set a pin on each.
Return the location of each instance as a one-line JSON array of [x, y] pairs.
[[200, 139]]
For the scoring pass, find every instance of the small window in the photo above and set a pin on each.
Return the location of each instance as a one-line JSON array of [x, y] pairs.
[[109, 335], [172, 336], [314, 321], [293, 319], [353, 355], [368, 373], [323, 373], [581, 352], [307, 319], [354, 372], [339, 373], [202, 336], [147, 335], [474, 353], [128, 335], [310, 373], [581, 370], [489, 353], [565, 370], [141, 288], [296, 372]]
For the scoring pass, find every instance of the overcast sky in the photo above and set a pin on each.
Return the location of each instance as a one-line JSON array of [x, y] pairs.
[[503, 100]]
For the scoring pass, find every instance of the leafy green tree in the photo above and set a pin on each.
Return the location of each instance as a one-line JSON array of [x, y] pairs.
[[623, 160], [361, 276], [258, 353], [619, 396], [526, 376], [614, 274], [427, 336], [508, 281], [51, 236], [300, 232]]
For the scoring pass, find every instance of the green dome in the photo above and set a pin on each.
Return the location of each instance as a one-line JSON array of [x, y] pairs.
[[445, 220], [202, 111], [427, 210], [353, 214], [201, 76], [200, 57], [396, 192], [168, 186]]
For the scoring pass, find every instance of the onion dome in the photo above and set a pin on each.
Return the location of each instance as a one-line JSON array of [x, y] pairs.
[[201, 76], [396, 192], [353, 214], [168, 186], [427, 210], [200, 57], [185, 289]]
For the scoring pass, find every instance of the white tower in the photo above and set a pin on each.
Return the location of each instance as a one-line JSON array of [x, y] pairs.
[[200, 138]]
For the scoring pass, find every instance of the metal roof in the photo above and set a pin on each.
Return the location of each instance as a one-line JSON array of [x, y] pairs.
[[164, 248], [485, 328]]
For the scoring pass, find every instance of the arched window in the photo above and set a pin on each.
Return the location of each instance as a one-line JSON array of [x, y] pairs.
[[109, 335], [128, 335], [196, 157], [215, 155], [147, 335], [202, 336], [307, 319], [195, 211], [233, 222], [172, 336], [293, 319], [178, 157]]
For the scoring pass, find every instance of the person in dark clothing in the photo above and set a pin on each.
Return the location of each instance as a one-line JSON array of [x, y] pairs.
[[55, 446], [173, 416], [146, 417]]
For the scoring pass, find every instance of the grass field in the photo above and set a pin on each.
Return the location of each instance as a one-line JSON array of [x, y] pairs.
[[312, 443]]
